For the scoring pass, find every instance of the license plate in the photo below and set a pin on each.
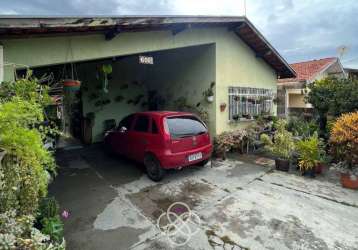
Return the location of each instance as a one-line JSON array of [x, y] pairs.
[[195, 157]]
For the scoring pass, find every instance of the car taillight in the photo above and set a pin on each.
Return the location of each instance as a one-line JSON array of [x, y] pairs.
[[167, 137]]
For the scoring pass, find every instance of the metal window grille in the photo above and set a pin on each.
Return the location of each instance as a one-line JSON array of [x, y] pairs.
[[250, 101]]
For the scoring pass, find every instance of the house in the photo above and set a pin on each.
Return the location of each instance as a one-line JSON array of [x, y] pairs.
[[351, 73], [135, 63], [291, 90]]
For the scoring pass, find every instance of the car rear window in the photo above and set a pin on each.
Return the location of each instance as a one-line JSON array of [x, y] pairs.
[[183, 126]]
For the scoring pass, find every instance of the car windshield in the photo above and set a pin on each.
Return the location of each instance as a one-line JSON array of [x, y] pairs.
[[184, 126]]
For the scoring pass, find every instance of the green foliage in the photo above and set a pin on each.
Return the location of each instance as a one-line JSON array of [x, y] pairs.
[[181, 104], [49, 208], [53, 227], [282, 145], [311, 152], [210, 90], [223, 143], [26, 89], [16, 232], [24, 170], [299, 127], [333, 96], [344, 139]]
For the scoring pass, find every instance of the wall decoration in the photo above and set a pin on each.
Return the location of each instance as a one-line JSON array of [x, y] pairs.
[[119, 98]]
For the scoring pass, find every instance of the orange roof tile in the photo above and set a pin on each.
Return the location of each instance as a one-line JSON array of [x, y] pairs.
[[307, 70]]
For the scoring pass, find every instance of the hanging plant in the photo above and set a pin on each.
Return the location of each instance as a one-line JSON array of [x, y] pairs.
[[237, 98], [209, 93], [106, 70]]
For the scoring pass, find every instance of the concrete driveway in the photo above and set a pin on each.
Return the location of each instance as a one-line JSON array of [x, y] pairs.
[[241, 204]]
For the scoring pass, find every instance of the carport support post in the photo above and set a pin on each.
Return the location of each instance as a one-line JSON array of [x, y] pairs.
[[1, 63]]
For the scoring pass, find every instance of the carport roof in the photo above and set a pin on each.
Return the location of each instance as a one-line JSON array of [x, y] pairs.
[[20, 27]]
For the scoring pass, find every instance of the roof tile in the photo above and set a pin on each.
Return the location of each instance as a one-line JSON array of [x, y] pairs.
[[307, 70]]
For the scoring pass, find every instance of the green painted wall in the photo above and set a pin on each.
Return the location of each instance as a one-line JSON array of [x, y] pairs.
[[185, 73], [127, 80], [62, 49], [235, 63]]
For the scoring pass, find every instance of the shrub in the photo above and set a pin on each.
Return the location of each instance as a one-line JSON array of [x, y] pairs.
[[334, 97], [344, 138], [53, 227], [282, 145], [299, 127], [223, 143], [311, 152], [24, 172], [16, 232], [49, 208]]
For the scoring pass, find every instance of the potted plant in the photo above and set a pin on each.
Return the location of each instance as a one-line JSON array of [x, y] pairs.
[[223, 143], [209, 93], [311, 155], [348, 174], [344, 148], [222, 106], [281, 146], [236, 117]]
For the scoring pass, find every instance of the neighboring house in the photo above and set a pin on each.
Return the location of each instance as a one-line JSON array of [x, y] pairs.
[[291, 91], [351, 73], [157, 63]]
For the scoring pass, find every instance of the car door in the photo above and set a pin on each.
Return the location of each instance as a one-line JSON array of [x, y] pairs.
[[122, 134], [138, 137]]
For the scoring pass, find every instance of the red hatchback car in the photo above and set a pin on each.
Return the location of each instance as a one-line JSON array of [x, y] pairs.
[[161, 140]]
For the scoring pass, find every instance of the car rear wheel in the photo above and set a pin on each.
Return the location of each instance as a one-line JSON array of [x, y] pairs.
[[154, 171]]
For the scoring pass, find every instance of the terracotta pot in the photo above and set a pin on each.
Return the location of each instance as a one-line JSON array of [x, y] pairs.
[[222, 107], [319, 168], [282, 165], [71, 85], [349, 181]]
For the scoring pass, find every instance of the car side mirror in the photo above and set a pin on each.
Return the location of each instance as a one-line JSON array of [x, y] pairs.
[[123, 129]]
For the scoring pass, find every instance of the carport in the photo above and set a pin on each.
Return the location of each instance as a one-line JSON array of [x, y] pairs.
[[173, 79]]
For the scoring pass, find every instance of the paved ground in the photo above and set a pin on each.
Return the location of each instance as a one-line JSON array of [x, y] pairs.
[[241, 205]]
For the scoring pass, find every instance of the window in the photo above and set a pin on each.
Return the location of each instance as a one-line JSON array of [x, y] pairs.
[[249, 101], [126, 122], [154, 127], [142, 123], [184, 126]]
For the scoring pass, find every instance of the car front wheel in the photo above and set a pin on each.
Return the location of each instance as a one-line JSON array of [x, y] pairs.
[[154, 170]]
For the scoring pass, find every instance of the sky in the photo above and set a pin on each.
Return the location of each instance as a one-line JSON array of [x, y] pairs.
[[299, 29]]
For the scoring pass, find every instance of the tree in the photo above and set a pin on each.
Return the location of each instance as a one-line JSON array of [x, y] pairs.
[[332, 96]]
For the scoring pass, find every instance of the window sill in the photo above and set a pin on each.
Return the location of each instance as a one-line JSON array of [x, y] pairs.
[[241, 120]]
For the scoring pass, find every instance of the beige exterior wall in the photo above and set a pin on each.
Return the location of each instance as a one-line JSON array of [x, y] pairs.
[[237, 65]]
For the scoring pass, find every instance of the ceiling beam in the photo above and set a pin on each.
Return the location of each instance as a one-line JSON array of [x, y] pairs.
[[109, 35], [176, 29]]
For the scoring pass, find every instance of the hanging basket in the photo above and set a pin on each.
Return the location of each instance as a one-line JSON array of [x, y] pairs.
[[71, 85]]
